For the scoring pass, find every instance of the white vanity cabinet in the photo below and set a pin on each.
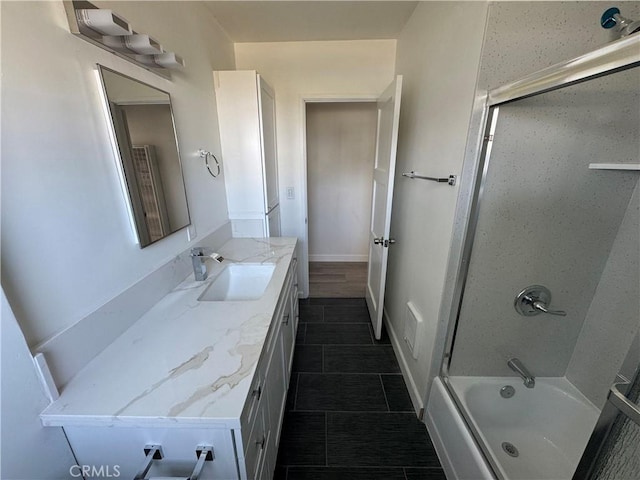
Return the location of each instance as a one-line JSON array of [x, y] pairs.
[[261, 436], [247, 120], [245, 443]]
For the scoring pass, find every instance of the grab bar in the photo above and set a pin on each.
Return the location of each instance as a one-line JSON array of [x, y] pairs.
[[451, 180], [204, 453], [621, 402]]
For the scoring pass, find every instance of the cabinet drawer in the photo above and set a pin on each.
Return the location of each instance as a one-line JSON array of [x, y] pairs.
[[123, 447], [252, 404], [255, 447]]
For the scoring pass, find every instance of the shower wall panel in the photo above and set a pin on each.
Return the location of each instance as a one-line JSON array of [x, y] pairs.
[[613, 319], [546, 218]]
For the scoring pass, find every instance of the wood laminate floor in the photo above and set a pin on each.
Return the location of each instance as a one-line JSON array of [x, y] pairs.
[[337, 279]]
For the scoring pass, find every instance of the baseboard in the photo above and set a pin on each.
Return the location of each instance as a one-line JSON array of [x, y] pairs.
[[414, 393], [337, 258]]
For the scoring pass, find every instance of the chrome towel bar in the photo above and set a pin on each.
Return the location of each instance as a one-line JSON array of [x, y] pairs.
[[451, 180]]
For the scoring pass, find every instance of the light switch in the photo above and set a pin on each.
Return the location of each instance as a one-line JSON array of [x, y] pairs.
[[291, 194]]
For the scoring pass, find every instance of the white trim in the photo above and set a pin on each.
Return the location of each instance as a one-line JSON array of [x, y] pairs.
[[457, 451], [337, 258], [414, 392], [303, 263]]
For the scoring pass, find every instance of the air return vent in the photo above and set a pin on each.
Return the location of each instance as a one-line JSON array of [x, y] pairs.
[[412, 329]]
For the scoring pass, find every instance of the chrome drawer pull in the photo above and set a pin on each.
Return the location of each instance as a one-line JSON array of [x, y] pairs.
[[205, 454], [285, 320], [257, 392], [152, 452], [261, 442]]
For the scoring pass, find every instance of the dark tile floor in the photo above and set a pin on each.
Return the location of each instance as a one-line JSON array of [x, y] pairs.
[[349, 415]]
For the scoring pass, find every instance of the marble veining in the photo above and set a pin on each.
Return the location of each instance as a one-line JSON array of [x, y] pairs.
[[184, 361]]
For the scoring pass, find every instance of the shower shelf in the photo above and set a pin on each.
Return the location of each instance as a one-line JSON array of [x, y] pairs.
[[615, 166]]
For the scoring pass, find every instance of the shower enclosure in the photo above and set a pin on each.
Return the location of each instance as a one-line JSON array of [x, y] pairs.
[[546, 309]]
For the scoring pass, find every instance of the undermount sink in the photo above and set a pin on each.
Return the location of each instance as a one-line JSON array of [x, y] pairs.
[[240, 281]]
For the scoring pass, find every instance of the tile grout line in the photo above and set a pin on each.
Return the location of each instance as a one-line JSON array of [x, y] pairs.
[[384, 392], [326, 439], [295, 397]]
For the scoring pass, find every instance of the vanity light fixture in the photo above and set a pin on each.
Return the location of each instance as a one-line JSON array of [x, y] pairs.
[[108, 30]]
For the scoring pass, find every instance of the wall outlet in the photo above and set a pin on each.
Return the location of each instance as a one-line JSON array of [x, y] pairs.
[[291, 193], [191, 232]]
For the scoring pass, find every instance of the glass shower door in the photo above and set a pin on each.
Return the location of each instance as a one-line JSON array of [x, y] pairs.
[[550, 300]]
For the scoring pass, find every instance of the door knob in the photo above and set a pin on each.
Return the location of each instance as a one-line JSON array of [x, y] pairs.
[[378, 241], [391, 241]]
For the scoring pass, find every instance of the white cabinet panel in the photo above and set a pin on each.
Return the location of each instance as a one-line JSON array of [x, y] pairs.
[[247, 119]]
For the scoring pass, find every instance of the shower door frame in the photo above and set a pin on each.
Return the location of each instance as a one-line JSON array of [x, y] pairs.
[[616, 56]]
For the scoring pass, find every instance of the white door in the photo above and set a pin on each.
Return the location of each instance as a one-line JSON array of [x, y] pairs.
[[383, 175]]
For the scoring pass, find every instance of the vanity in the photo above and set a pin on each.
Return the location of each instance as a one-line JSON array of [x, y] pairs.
[[198, 371]]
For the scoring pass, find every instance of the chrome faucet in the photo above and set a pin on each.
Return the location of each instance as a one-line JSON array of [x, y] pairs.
[[199, 256], [517, 366]]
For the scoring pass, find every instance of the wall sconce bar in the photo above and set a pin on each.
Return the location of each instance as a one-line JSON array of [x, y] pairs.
[[109, 31]]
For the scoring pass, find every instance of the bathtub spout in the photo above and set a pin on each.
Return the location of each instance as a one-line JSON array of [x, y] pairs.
[[517, 366]]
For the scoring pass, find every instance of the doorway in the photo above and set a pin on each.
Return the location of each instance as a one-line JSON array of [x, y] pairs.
[[340, 148]]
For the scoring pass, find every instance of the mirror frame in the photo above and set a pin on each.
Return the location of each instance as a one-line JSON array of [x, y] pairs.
[[118, 151]]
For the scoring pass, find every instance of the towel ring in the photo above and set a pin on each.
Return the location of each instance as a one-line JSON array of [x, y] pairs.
[[206, 154]]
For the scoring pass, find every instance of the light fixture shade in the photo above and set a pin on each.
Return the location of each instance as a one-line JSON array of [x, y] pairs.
[[164, 60], [143, 44], [169, 60], [105, 22], [137, 43]]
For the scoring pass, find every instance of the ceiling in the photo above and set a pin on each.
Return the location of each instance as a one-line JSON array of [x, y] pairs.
[[285, 21]]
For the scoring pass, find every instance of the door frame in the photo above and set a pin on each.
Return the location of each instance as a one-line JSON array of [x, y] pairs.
[[303, 264]]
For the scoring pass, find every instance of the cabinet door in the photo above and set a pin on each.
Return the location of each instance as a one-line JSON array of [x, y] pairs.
[[270, 153], [276, 382], [288, 332]]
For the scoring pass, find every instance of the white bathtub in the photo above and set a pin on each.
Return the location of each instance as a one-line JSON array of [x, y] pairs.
[[549, 424]]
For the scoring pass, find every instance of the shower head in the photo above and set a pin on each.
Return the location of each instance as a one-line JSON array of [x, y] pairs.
[[612, 18]]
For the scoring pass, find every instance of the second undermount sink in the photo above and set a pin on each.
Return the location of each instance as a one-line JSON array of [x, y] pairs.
[[238, 282]]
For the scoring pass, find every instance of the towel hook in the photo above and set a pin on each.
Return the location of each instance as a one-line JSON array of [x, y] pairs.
[[206, 154]]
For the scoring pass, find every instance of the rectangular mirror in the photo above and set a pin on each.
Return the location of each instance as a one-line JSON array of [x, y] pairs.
[[145, 133]]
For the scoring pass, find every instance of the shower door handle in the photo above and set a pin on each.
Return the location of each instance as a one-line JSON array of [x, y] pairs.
[[622, 403]]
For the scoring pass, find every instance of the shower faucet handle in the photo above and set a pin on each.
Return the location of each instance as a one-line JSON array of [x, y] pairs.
[[534, 300], [538, 305]]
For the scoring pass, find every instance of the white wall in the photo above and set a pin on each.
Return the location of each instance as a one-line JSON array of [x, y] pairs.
[[28, 450], [341, 146], [438, 56], [67, 245], [298, 70]]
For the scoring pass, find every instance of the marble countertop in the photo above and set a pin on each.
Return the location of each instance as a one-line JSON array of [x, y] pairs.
[[184, 362]]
